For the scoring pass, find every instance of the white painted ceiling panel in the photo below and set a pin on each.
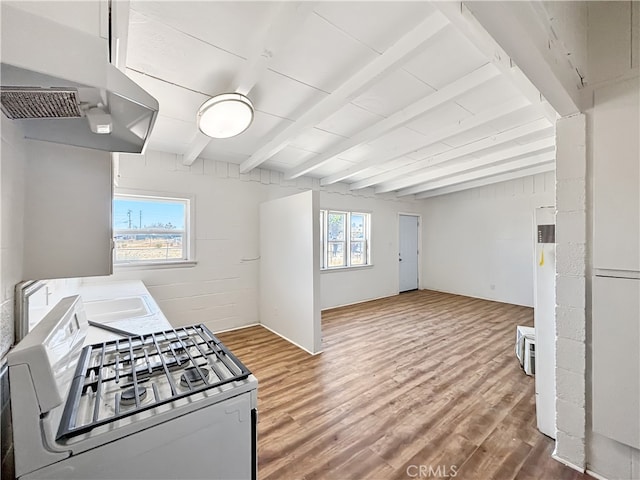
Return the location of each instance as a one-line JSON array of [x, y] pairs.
[[209, 21], [166, 129], [290, 156], [549, 132], [398, 140], [394, 92], [515, 119], [217, 152], [160, 51], [322, 56], [316, 140], [490, 94], [439, 118], [429, 151], [283, 96], [332, 167], [179, 103], [309, 115], [469, 136], [376, 24], [263, 125], [359, 153], [449, 57], [370, 172], [349, 120]]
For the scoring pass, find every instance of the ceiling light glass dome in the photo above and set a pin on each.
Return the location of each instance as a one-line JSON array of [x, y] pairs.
[[225, 115]]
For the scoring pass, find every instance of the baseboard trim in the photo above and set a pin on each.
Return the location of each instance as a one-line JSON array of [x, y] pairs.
[[567, 463], [327, 309], [289, 340], [434, 289], [272, 331], [237, 328], [596, 475]]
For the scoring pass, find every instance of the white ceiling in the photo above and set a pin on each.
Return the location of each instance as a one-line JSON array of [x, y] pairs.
[[389, 95]]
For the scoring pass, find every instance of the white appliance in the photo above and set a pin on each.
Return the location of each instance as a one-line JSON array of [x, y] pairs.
[[545, 320], [523, 333], [529, 356], [58, 82], [172, 404]]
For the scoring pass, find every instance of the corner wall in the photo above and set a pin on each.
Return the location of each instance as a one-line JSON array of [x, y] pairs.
[[480, 242], [12, 177], [290, 270], [222, 289], [345, 287], [571, 247], [12, 186]]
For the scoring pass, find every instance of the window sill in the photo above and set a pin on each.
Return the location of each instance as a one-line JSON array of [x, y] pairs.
[[343, 269], [155, 265]]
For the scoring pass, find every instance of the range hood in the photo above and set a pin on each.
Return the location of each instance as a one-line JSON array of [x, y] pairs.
[[58, 82]]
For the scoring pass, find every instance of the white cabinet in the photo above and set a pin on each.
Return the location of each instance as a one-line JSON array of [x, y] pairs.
[[616, 174], [616, 359], [67, 223], [89, 16]]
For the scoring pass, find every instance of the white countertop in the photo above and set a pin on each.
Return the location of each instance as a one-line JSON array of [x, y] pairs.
[[153, 322]]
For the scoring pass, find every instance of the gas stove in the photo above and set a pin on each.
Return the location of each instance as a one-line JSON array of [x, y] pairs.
[[127, 408]]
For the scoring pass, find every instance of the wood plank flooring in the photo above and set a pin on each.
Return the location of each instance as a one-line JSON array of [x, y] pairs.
[[421, 385]]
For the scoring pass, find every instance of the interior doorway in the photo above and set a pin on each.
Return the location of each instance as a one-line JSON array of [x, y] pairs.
[[408, 254]]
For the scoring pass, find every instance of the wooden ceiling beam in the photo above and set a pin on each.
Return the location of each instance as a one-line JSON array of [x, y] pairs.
[[400, 118], [514, 134], [503, 177], [500, 157], [443, 133], [462, 19], [512, 166], [519, 31], [356, 84]]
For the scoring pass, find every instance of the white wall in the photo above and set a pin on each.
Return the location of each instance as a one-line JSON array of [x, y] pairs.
[[222, 289], [480, 242], [289, 269], [12, 177], [344, 287]]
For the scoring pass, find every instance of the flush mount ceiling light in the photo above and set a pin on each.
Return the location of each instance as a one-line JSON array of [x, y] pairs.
[[225, 115]]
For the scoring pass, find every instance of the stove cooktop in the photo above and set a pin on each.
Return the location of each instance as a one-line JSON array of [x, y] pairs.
[[120, 378]]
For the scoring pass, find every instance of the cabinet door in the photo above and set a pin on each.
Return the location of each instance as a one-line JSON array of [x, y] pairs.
[[616, 359], [67, 225], [616, 156]]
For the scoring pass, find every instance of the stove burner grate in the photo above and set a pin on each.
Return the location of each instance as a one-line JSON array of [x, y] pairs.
[[194, 376], [128, 397], [154, 357]]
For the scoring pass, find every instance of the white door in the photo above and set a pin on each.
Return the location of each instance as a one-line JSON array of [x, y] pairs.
[[408, 255]]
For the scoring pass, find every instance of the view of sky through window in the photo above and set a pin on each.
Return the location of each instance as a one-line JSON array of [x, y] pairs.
[[136, 214]]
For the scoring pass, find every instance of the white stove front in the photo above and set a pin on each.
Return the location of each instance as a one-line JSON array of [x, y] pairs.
[[207, 433]]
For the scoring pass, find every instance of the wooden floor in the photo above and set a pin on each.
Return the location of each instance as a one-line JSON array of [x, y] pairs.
[[421, 385]]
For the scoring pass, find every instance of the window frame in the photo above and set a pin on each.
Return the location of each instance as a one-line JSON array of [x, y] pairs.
[[324, 239], [188, 242]]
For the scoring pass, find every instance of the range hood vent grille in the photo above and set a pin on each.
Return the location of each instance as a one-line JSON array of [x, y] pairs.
[[21, 103]]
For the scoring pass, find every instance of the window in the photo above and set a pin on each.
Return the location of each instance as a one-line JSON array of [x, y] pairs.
[[149, 229], [345, 239]]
